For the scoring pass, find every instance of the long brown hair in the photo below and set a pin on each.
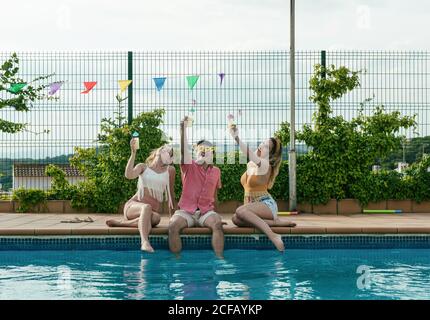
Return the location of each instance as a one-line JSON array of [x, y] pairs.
[[275, 160]]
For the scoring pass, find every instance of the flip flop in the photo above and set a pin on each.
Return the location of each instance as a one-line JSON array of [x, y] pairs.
[[88, 219], [74, 220]]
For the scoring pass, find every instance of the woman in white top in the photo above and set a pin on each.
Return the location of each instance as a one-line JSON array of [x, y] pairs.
[[156, 179]]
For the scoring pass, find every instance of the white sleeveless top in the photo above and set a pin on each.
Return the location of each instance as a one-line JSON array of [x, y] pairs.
[[158, 184]]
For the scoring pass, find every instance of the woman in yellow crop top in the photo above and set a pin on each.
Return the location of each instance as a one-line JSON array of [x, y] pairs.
[[260, 209]]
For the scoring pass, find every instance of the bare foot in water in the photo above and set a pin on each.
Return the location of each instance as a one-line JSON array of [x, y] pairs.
[[146, 247], [279, 244]]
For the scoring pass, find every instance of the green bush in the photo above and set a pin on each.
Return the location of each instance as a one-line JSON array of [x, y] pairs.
[[417, 180], [342, 152], [29, 199], [106, 187], [61, 189], [413, 184], [337, 165]]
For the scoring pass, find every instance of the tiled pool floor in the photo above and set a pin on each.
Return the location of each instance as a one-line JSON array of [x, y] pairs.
[[50, 224]]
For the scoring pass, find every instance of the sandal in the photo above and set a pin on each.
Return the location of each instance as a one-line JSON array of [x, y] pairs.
[[74, 220]]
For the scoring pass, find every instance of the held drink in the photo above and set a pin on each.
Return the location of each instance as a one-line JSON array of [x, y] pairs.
[[189, 121], [230, 119], [136, 136]]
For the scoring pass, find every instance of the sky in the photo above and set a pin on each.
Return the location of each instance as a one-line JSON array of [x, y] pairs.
[[86, 25], [207, 25]]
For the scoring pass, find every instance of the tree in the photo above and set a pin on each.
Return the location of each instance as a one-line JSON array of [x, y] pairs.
[[18, 94]]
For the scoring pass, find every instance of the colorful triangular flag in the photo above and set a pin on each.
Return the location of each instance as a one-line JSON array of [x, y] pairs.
[[16, 87], [221, 76], [123, 84], [159, 82], [89, 86], [192, 80], [54, 87]]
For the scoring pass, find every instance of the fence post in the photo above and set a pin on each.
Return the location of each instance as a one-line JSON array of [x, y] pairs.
[[323, 62], [130, 87], [292, 166]]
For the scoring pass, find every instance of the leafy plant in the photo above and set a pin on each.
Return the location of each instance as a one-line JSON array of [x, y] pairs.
[[342, 152], [61, 189], [29, 199], [106, 187], [20, 99]]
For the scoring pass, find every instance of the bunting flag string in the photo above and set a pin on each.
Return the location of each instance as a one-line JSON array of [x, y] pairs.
[[54, 87], [89, 86], [192, 80], [221, 76], [123, 84], [159, 82], [16, 87]]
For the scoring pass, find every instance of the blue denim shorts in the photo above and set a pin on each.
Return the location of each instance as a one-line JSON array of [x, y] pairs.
[[271, 203]]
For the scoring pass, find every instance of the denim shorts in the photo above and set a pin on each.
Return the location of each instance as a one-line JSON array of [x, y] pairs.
[[271, 203]]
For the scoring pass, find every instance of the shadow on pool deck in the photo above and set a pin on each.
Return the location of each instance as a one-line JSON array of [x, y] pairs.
[[50, 224]]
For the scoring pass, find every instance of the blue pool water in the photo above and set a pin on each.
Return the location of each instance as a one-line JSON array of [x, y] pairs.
[[198, 274]]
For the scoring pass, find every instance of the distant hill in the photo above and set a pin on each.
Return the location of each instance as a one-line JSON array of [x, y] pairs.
[[413, 151]]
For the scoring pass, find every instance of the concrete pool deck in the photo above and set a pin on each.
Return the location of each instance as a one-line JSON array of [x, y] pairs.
[[40, 224]]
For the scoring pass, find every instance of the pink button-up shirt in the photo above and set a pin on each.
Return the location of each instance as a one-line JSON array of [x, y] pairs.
[[199, 187]]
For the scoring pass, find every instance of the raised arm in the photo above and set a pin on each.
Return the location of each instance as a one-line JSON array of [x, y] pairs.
[[251, 155], [185, 152], [131, 171]]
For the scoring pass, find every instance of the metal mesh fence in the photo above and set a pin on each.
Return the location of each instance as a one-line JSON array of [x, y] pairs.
[[255, 89]]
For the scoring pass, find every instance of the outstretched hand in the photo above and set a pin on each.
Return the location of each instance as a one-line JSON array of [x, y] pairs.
[[233, 131], [133, 145], [186, 121]]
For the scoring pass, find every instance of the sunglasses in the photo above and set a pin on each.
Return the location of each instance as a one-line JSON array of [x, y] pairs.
[[204, 149]]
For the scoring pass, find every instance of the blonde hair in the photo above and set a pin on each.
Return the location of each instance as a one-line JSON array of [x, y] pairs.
[[153, 155], [275, 160]]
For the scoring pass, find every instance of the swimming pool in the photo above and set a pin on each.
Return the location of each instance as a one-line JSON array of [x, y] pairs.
[[198, 274]]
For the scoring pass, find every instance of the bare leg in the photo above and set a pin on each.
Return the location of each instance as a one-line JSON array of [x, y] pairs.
[[271, 223], [145, 226], [123, 223], [133, 215], [175, 227], [214, 222], [253, 214]]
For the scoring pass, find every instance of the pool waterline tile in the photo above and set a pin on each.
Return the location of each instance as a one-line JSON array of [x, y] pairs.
[[193, 242]]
